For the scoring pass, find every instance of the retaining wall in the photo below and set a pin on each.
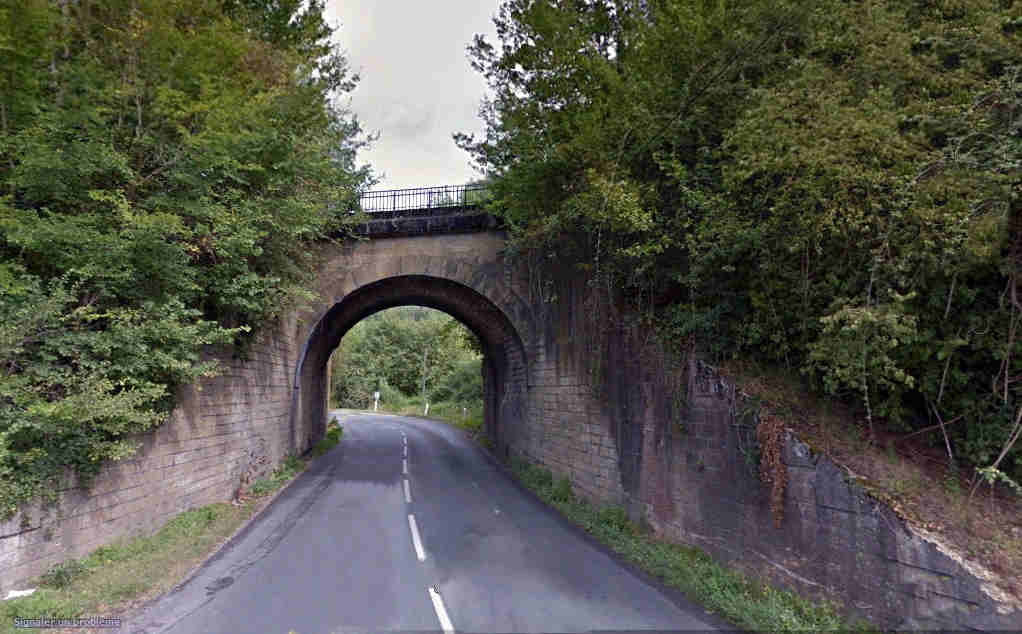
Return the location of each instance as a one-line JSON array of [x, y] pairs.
[[671, 441], [600, 403], [225, 430]]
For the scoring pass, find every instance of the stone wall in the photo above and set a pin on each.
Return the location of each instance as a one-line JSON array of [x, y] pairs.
[[835, 541], [673, 443], [229, 428], [236, 427], [572, 384]]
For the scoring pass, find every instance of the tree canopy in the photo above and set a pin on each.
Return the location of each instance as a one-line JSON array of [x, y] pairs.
[[163, 166], [830, 186], [407, 352]]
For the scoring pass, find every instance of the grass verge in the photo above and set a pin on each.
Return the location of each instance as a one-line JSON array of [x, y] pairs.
[[117, 578], [737, 598], [468, 417]]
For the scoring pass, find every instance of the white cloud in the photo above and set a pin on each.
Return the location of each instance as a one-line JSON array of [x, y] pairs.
[[417, 86]]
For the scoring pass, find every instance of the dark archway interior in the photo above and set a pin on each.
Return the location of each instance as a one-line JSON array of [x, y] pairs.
[[503, 358]]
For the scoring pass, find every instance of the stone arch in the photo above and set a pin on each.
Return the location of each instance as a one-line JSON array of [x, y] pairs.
[[461, 275]]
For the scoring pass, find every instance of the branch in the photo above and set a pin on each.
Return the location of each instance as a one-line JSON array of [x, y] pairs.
[[932, 427], [947, 443], [1012, 439]]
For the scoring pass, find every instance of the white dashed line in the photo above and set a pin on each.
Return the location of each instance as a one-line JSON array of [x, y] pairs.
[[408, 493], [441, 612], [406, 451], [404, 466], [416, 541]]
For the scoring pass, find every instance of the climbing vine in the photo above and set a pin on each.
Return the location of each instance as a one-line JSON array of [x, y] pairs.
[[770, 433]]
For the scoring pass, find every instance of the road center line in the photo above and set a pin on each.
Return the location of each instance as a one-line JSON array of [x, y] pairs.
[[441, 612], [408, 493], [416, 540], [404, 466]]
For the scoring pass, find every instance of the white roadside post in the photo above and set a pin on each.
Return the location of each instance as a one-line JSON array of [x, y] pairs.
[[376, 400]]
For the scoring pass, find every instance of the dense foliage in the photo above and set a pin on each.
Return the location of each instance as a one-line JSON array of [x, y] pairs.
[[163, 164], [408, 352], [831, 186]]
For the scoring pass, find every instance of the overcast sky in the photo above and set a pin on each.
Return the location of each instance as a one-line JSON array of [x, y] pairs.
[[417, 86]]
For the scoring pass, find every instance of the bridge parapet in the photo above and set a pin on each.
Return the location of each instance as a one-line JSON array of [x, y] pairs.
[[421, 199], [422, 210]]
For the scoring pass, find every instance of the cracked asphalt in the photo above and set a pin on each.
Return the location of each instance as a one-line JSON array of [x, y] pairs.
[[407, 526]]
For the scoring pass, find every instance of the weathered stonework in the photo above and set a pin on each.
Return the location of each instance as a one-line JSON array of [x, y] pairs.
[[569, 384], [232, 429], [835, 540], [228, 428], [676, 446]]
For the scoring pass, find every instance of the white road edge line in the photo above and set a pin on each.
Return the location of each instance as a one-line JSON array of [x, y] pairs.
[[441, 612], [408, 493], [416, 541], [404, 466]]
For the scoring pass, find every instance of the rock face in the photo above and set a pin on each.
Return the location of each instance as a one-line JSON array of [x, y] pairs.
[[569, 384]]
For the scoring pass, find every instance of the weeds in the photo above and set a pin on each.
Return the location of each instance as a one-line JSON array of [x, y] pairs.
[[330, 440], [292, 465], [62, 575]]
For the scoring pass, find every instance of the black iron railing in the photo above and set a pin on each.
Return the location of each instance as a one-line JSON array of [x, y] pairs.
[[423, 198]]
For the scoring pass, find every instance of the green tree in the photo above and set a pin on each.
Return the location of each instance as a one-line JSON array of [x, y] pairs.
[[164, 166], [418, 352], [765, 178]]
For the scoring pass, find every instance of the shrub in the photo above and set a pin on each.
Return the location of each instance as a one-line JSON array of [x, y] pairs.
[[561, 491], [64, 574]]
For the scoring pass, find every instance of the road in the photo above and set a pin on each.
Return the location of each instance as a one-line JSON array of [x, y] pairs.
[[407, 526]]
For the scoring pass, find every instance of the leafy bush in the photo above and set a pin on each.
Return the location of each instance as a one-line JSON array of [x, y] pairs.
[[561, 491], [151, 205], [828, 186], [615, 518], [400, 350], [329, 440], [532, 476], [461, 382]]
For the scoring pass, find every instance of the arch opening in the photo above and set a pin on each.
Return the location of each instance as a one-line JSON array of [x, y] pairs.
[[504, 362]]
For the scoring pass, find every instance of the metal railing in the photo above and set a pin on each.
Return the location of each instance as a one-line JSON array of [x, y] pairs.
[[423, 198]]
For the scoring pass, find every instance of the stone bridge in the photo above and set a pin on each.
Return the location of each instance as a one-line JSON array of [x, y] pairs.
[[570, 383]]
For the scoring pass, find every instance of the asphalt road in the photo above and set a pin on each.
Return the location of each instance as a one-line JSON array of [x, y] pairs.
[[407, 526]]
